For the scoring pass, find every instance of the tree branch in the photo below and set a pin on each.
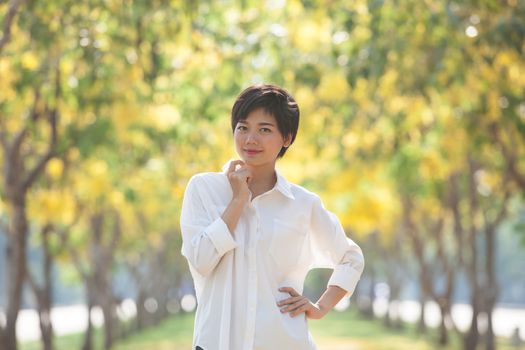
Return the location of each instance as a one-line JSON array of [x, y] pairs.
[[34, 286], [115, 237], [509, 154], [3, 137], [53, 121], [37, 290], [8, 21]]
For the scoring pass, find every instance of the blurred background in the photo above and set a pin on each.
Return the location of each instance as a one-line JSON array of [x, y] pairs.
[[412, 131]]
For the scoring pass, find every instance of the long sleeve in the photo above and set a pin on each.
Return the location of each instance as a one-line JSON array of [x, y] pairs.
[[332, 249], [205, 236]]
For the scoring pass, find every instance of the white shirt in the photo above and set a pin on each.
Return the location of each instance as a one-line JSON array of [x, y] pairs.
[[280, 236]]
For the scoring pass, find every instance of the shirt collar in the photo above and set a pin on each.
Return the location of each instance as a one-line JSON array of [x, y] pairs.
[[282, 185]]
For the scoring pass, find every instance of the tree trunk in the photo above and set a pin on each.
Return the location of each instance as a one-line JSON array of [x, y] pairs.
[[141, 311], [109, 320], [491, 290], [472, 338], [443, 331], [392, 318], [16, 269], [422, 326], [369, 311], [17, 231], [46, 328], [88, 335], [471, 265], [43, 294], [489, 336]]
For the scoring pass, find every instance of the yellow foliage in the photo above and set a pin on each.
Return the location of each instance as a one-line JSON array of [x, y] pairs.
[[388, 84], [164, 117], [427, 116], [360, 93], [351, 141], [295, 8], [52, 206], [487, 182], [7, 92], [124, 114], [116, 199], [54, 168], [362, 198], [361, 33], [29, 60], [73, 154], [306, 100], [92, 182], [136, 138], [14, 125], [396, 104], [369, 139], [177, 191], [97, 168], [333, 87], [373, 209], [494, 109], [432, 165], [310, 35], [155, 239]]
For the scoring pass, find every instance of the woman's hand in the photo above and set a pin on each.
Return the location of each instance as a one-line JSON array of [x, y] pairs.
[[298, 304], [239, 178]]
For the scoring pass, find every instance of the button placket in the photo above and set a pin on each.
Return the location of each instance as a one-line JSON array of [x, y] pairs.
[[252, 281]]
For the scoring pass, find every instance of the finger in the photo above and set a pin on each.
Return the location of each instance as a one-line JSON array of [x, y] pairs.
[[295, 306], [299, 310], [233, 165], [289, 300], [242, 174], [289, 290]]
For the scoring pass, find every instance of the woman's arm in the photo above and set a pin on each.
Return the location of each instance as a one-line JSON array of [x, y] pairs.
[[204, 239], [330, 248], [297, 304], [239, 179]]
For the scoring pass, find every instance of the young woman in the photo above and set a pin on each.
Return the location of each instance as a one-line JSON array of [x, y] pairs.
[[250, 238]]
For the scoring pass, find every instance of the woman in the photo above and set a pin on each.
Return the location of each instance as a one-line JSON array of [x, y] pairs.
[[250, 238]]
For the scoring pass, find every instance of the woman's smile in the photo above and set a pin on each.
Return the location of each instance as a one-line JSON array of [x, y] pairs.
[[252, 152]]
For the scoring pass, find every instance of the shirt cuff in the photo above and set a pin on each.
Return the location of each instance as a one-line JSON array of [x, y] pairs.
[[220, 236], [345, 277]]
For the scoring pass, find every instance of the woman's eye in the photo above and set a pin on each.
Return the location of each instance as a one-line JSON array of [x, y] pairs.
[[241, 128], [266, 130]]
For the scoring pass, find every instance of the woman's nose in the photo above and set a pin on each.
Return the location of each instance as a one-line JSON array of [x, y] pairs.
[[251, 138]]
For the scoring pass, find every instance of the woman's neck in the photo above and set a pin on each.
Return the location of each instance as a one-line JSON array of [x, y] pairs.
[[263, 180]]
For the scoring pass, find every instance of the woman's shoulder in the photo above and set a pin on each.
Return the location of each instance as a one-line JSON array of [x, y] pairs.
[[303, 194], [209, 178]]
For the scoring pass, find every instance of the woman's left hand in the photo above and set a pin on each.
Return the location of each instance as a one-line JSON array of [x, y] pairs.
[[297, 304]]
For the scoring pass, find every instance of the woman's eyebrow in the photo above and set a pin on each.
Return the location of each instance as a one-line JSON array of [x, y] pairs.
[[266, 123], [260, 123]]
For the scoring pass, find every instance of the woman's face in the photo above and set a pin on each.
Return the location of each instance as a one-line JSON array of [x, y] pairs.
[[258, 140]]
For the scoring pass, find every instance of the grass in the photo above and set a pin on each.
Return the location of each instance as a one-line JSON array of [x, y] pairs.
[[337, 331]]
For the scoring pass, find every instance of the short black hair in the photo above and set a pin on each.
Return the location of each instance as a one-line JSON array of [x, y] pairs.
[[275, 101]]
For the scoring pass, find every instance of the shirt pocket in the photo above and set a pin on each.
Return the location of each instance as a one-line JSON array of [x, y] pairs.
[[286, 244]]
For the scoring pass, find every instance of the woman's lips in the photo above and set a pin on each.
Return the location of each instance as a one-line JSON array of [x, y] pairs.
[[251, 152]]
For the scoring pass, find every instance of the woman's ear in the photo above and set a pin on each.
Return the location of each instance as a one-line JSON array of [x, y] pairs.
[[287, 141]]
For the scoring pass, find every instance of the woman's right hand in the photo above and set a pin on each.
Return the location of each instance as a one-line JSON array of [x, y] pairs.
[[239, 174]]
